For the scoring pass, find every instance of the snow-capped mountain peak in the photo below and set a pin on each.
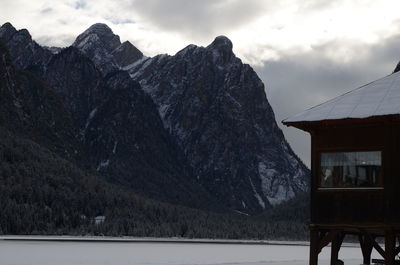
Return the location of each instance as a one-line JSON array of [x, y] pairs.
[[99, 33], [216, 108], [104, 47], [7, 31], [199, 120], [222, 43], [221, 49]]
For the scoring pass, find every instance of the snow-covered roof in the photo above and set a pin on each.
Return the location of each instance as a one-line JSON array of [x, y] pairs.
[[378, 98]]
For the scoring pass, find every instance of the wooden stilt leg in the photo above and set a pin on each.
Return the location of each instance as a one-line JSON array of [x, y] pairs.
[[314, 241], [366, 248], [390, 247], [335, 247]]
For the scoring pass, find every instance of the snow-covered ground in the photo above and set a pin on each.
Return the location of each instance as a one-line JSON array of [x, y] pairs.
[[162, 253]]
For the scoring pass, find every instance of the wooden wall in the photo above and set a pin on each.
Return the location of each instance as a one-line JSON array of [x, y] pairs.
[[357, 205]]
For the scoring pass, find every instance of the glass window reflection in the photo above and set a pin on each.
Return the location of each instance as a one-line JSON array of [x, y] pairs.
[[350, 169]]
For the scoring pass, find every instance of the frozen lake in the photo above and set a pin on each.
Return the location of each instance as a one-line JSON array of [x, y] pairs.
[[163, 253]]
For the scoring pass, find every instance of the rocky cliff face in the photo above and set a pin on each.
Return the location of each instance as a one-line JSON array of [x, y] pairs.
[[216, 108], [31, 109], [194, 128], [397, 68], [24, 51], [105, 48], [106, 124]]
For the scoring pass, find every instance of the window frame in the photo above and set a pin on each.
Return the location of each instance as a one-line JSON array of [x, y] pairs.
[[318, 170]]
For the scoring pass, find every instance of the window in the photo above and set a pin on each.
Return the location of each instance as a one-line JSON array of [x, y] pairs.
[[351, 170]]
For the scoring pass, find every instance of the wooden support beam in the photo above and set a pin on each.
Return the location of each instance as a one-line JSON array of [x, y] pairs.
[[314, 241], [320, 239], [328, 238], [366, 248], [374, 243], [335, 247], [397, 251], [390, 247]]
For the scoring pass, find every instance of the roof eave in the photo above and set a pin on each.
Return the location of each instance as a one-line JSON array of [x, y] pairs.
[[302, 125], [373, 120]]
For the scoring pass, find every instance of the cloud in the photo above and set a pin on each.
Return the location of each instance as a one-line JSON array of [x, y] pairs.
[[117, 21], [319, 5], [79, 4], [198, 19], [298, 81], [305, 51], [259, 29], [46, 10]]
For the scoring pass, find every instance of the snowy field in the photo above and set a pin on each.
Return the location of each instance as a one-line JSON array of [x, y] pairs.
[[162, 253]]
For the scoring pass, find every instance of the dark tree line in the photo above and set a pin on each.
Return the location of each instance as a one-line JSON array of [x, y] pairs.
[[40, 193]]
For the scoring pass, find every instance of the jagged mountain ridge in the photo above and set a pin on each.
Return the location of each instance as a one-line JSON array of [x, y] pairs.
[[189, 90], [29, 108], [212, 110], [100, 44], [217, 109], [113, 117], [115, 127], [24, 51]]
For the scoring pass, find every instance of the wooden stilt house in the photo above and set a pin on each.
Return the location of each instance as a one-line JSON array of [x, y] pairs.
[[355, 164]]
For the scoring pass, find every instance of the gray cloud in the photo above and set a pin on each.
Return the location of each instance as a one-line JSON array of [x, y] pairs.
[[318, 5], [63, 40], [80, 4], [299, 81], [118, 21], [198, 19], [46, 10], [295, 80]]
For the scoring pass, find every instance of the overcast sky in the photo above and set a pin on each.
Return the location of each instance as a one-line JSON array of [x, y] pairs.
[[305, 51]]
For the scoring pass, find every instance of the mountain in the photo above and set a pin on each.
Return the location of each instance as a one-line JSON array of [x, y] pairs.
[[43, 193], [24, 51], [100, 44], [193, 129], [122, 132], [31, 109], [107, 125], [216, 108]]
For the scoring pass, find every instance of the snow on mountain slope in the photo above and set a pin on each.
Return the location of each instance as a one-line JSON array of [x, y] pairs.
[[198, 127], [216, 108], [100, 44]]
